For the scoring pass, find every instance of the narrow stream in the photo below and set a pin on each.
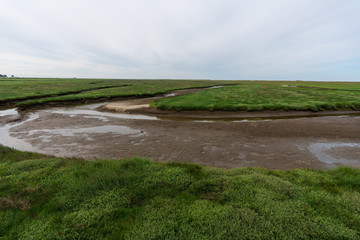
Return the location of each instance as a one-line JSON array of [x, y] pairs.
[[84, 135]]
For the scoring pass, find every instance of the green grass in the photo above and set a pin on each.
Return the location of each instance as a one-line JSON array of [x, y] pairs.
[[246, 95], [17, 89], [52, 198], [257, 96], [28, 92]]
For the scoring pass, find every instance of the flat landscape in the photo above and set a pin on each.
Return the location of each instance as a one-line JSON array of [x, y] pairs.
[[244, 95], [184, 159]]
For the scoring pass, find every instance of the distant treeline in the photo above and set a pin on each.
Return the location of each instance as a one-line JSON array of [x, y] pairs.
[[4, 76]]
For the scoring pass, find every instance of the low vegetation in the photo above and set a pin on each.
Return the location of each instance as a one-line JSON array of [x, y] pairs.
[[242, 95], [29, 92], [257, 96], [42, 197], [22, 88]]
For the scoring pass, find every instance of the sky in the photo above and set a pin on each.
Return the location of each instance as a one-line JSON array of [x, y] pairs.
[[181, 39]]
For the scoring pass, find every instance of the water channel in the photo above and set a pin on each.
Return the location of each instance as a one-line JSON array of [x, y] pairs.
[[85, 132]]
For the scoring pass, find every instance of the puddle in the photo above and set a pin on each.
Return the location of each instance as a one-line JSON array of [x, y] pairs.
[[8, 112], [71, 132], [102, 115], [10, 141], [320, 151]]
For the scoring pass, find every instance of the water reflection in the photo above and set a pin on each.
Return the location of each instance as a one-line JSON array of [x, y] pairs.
[[7, 140], [8, 112], [320, 151]]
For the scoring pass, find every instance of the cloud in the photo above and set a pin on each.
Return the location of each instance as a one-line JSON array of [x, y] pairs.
[[258, 39]]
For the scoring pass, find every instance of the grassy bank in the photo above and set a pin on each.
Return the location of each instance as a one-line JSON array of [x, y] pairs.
[[52, 198], [28, 92], [22, 88], [257, 96]]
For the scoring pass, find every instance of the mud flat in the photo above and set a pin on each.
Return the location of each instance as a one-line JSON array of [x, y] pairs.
[[83, 131]]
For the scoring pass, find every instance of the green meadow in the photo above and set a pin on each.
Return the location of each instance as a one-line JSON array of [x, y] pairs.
[[257, 96], [43, 197], [29, 92]]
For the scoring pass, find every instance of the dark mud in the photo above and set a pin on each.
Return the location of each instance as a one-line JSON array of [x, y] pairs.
[[84, 132]]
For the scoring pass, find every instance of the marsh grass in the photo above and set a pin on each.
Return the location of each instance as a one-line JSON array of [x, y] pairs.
[[26, 92], [245, 95], [43, 197], [258, 96]]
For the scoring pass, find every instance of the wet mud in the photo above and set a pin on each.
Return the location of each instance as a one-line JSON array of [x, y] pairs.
[[85, 132]]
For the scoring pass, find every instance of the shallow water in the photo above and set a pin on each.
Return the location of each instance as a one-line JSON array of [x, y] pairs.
[[98, 114], [7, 140], [86, 111], [46, 135], [8, 112], [319, 150], [70, 132]]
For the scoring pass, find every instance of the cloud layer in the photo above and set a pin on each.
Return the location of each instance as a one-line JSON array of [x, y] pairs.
[[259, 39]]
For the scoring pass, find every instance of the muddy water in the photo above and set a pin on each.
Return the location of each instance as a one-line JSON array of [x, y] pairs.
[[326, 152], [89, 113], [5, 137], [8, 112], [85, 132]]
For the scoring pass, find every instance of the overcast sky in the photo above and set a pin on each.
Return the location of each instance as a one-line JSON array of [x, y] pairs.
[[212, 39]]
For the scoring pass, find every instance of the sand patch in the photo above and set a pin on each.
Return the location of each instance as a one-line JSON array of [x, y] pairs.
[[124, 106]]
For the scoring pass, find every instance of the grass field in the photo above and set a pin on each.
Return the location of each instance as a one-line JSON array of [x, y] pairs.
[[17, 89], [245, 95], [52, 198], [27, 92], [257, 96]]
